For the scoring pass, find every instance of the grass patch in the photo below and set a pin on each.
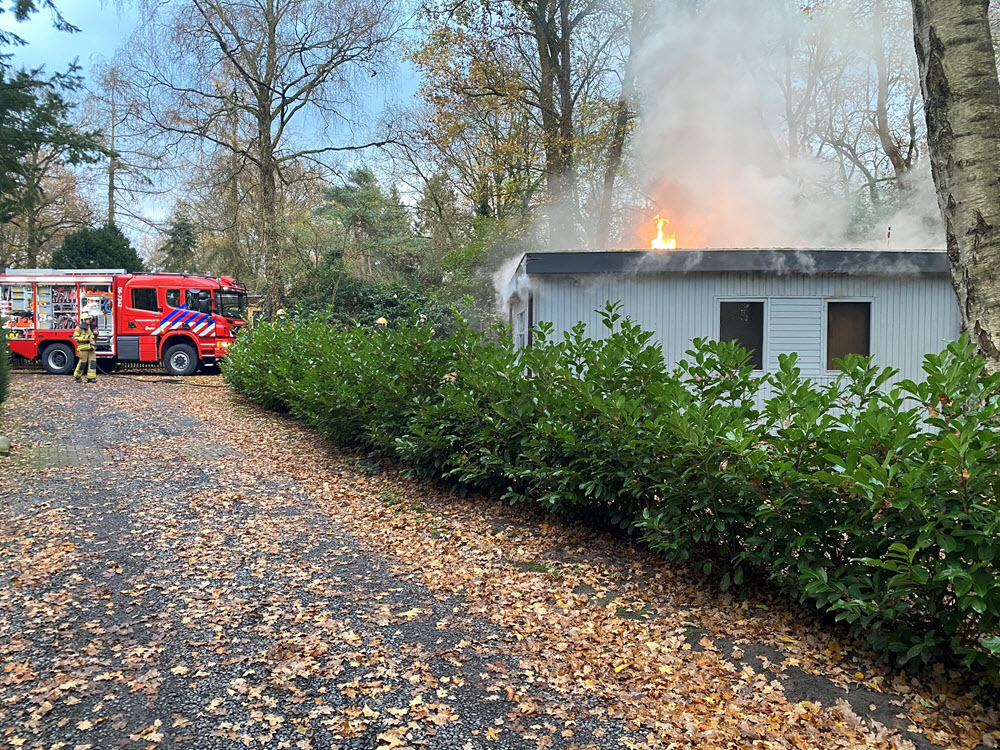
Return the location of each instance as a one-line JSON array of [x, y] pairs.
[[532, 566]]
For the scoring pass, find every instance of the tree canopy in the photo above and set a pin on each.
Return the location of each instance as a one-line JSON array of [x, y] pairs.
[[265, 140], [34, 116], [103, 247], [179, 250]]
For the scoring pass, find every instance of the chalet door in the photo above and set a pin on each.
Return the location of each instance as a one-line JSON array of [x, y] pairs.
[[139, 317]]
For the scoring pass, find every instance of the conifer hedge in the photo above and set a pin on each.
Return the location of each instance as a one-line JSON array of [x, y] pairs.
[[877, 504]]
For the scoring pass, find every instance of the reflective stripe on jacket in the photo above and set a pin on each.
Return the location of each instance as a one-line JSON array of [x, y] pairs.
[[84, 338]]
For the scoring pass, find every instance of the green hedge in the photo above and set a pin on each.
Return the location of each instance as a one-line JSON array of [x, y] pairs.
[[4, 370], [878, 506]]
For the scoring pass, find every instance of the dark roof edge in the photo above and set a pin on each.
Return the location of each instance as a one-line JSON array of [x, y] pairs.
[[779, 261]]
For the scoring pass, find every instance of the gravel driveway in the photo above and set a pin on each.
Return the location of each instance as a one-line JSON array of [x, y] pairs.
[[178, 568]]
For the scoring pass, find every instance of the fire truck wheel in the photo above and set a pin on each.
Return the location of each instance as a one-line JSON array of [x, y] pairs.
[[58, 359], [180, 359]]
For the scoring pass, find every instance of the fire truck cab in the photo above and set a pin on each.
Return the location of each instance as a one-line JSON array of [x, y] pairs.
[[180, 320]]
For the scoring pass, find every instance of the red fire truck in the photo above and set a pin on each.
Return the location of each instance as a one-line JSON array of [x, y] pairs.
[[180, 320]]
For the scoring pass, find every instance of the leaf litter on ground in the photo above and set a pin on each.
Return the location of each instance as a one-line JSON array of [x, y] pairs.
[[237, 579]]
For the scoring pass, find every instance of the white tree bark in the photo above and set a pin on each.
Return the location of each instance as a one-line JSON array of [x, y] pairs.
[[958, 77]]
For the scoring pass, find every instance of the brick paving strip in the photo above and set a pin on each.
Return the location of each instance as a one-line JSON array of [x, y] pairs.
[[55, 456], [59, 456], [182, 569]]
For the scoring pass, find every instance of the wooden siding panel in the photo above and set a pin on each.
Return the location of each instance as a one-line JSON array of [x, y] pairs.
[[911, 316], [795, 324]]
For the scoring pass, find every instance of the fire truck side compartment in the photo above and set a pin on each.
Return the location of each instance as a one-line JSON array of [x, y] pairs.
[[128, 348]]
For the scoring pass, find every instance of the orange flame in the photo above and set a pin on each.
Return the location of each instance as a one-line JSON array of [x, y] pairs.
[[660, 242]]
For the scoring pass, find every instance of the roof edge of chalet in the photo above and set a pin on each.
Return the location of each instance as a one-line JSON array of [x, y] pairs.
[[779, 261]]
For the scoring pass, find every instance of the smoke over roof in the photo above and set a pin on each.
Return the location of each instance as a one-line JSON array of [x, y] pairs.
[[719, 87]]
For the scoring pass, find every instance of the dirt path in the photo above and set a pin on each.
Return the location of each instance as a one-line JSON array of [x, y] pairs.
[[178, 568]]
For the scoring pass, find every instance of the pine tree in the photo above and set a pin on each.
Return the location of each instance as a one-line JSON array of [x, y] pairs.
[[180, 246], [34, 116]]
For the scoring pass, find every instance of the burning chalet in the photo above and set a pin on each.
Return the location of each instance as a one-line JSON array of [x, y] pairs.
[[821, 304]]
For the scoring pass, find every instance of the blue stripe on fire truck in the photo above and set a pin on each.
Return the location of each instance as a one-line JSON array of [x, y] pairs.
[[204, 326], [166, 321], [185, 318], [199, 323]]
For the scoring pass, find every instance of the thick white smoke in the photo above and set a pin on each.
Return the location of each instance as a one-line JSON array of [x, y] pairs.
[[718, 87]]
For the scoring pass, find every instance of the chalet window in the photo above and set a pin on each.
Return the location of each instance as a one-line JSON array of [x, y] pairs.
[[174, 298], [848, 330], [521, 330], [144, 299], [743, 322], [531, 318]]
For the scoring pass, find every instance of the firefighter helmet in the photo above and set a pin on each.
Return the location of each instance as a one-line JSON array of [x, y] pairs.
[[381, 322]]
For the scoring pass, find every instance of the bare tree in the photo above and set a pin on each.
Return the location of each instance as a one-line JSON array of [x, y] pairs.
[[901, 152], [134, 173], [52, 207], [553, 26], [958, 78], [625, 111], [288, 70]]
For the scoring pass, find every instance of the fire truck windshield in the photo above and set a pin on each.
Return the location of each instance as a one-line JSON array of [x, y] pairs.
[[233, 304]]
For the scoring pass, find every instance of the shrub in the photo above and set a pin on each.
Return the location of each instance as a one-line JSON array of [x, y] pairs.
[[877, 504], [4, 370]]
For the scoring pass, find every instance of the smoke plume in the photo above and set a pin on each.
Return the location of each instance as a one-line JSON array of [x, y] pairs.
[[718, 87]]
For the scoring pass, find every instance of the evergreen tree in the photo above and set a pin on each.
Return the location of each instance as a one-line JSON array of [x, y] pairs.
[[105, 247], [34, 116], [376, 241], [179, 249]]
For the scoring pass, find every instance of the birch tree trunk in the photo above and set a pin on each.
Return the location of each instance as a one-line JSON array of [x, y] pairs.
[[958, 77]]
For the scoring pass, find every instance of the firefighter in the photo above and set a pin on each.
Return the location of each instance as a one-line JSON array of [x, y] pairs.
[[86, 348], [381, 322]]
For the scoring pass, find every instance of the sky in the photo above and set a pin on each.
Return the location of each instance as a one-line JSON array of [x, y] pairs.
[[102, 30]]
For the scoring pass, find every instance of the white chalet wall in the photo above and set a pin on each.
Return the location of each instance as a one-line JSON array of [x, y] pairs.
[[911, 315]]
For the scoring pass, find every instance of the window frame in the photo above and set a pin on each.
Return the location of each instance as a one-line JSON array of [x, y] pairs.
[[765, 325], [872, 311], [531, 319], [180, 299], [156, 297], [520, 329]]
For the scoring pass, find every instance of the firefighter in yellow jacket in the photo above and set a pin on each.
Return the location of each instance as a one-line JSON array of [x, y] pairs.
[[86, 349]]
